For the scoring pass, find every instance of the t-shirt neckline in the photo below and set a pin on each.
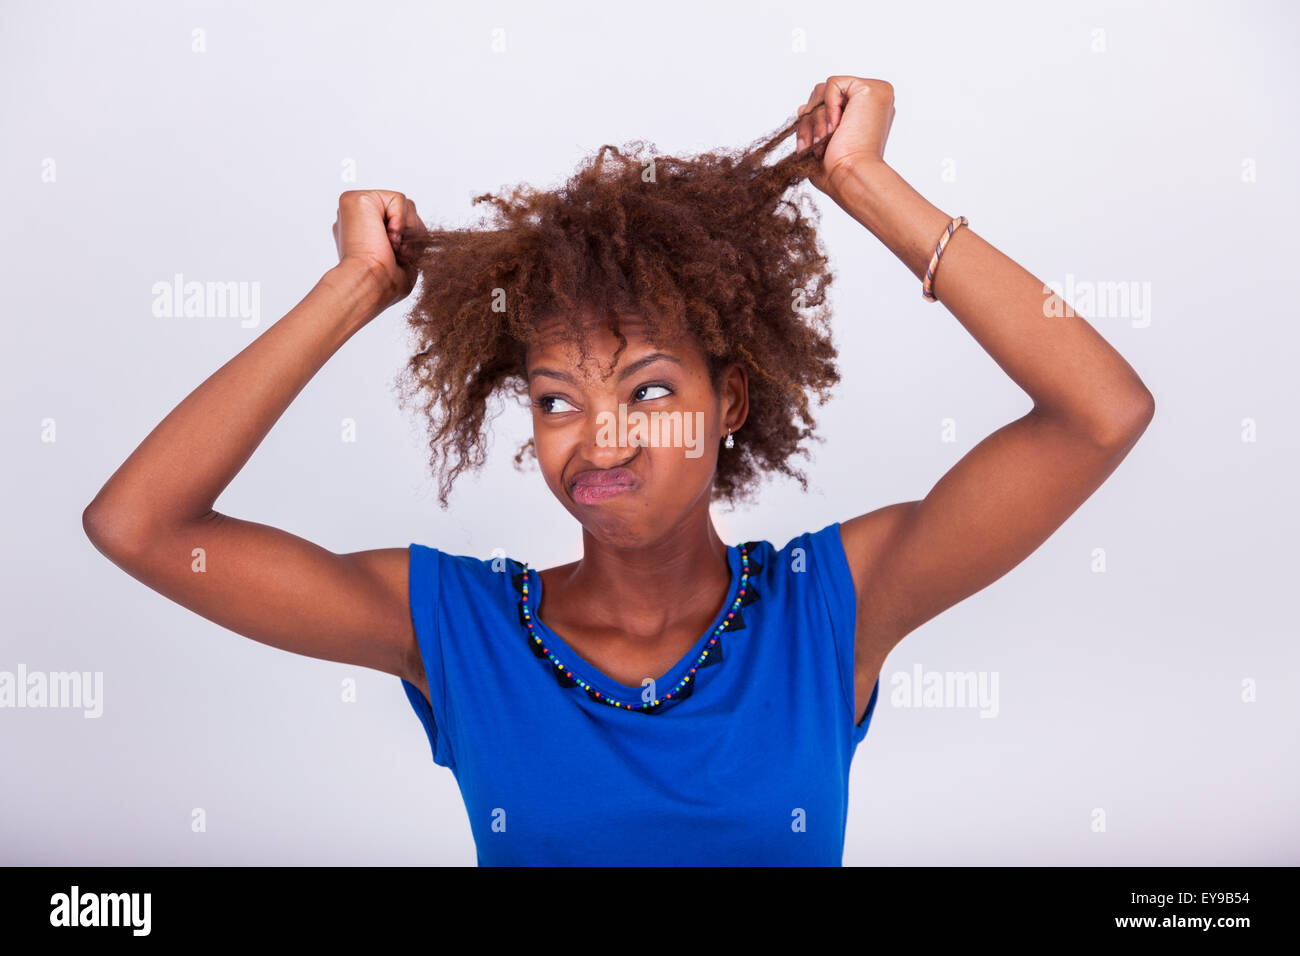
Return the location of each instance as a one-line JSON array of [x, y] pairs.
[[611, 688]]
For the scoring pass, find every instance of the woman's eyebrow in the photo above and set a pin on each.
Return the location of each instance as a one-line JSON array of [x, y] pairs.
[[643, 362], [631, 369]]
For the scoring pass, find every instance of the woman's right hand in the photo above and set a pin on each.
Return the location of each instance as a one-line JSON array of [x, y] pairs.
[[368, 231]]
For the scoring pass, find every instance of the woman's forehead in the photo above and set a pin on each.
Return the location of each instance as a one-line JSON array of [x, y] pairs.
[[555, 340], [558, 331]]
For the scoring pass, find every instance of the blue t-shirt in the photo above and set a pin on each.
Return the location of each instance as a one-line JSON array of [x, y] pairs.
[[747, 764]]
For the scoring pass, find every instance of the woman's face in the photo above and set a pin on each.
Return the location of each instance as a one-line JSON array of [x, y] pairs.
[[632, 454]]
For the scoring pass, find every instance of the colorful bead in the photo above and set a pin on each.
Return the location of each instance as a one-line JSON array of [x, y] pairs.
[[528, 621]]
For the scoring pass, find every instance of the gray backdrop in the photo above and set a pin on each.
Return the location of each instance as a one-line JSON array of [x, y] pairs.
[[1145, 657]]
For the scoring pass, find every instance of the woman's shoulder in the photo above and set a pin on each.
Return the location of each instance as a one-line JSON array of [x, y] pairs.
[[800, 549], [441, 572], [808, 566]]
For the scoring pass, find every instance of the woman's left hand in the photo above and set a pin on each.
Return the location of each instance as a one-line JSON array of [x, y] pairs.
[[855, 113]]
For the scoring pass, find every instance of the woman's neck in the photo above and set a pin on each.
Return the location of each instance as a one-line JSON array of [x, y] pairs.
[[642, 593]]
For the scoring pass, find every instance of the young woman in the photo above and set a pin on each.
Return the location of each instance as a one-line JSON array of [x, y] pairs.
[[669, 698]]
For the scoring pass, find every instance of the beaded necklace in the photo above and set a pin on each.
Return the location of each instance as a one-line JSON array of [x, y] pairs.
[[682, 689]]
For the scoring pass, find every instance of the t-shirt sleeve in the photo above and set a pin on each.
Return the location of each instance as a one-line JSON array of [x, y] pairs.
[[830, 566], [424, 593]]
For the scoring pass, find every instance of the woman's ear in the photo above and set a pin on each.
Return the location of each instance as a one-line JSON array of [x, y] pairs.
[[733, 394]]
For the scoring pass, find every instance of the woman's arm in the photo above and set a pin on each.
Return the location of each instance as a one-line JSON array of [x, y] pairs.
[[154, 517], [913, 560]]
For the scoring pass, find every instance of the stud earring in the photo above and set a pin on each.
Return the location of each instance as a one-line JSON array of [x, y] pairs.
[[730, 442]]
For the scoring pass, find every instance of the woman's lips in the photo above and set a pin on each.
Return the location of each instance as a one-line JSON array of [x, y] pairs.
[[599, 484]]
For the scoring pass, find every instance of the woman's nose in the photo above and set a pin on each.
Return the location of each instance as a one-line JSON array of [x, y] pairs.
[[610, 436]]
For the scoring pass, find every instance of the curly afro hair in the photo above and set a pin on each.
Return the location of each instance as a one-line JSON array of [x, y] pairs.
[[710, 246]]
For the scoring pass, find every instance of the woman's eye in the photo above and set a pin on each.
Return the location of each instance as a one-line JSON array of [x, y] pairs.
[[638, 393], [542, 403]]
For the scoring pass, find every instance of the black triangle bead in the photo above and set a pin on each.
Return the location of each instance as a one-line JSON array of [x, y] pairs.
[[715, 655]]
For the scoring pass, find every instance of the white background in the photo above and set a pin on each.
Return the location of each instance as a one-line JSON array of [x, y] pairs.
[[1111, 156]]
